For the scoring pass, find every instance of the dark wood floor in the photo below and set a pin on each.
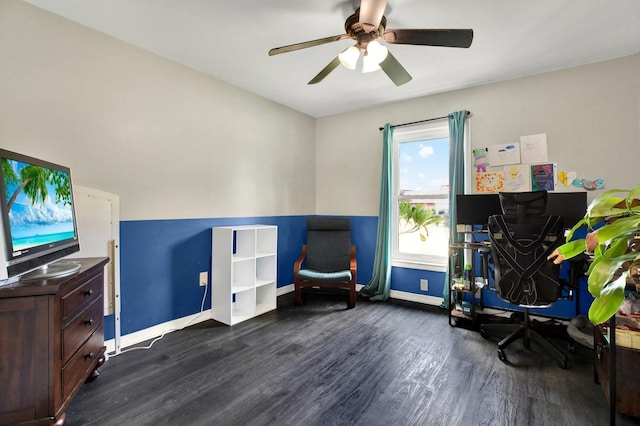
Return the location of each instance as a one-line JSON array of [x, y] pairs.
[[389, 363]]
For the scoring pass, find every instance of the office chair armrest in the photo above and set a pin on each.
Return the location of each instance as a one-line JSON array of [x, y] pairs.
[[484, 260]]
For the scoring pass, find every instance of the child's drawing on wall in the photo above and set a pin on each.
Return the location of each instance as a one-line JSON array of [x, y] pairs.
[[480, 159], [543, 177], [489, 182], [517, 178]]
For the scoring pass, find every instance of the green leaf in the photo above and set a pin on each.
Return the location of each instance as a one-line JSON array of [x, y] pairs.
[[603, 204], [634, 194], [618, 247], [9, 172], [602, 270], [572, 248], [593, 263], [622, 227], [600, 273], [609, 301]]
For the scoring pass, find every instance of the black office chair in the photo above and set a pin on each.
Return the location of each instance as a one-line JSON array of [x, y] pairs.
[[521, 240]]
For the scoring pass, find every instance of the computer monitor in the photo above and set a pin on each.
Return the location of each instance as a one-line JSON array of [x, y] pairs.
[[475, 209], [572, 206]]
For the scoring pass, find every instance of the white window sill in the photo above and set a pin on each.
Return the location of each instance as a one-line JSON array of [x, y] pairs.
[[425, 266]]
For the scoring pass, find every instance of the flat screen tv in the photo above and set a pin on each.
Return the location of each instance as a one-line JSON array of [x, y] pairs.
[[38, 218]]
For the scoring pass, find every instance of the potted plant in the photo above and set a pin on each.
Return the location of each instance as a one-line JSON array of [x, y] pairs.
[[616, 255]]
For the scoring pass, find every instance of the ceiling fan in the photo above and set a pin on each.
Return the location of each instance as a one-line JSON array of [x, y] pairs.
[[368, 25]]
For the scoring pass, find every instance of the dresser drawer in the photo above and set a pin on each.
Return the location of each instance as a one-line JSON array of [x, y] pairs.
[[83, 295], [80, 328], [76, 370]]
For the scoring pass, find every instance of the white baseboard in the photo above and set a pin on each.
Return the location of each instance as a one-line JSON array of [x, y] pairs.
[[137, 337], [413, 297], [284, 290]]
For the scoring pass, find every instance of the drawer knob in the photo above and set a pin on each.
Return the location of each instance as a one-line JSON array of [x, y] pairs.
[[88, 322], [88, 292], [90, 355]]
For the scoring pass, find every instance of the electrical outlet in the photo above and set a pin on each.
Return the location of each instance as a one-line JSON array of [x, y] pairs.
[[424, 285], [204, 277]]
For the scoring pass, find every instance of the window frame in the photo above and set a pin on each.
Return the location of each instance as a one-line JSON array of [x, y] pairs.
[[435, 129]]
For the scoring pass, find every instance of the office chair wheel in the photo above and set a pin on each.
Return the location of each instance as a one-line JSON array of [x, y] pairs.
[[572, 347], [501, 355], [484, 333], [563, 364]]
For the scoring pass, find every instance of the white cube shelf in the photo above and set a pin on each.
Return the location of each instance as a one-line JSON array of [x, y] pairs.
[[243, 272]]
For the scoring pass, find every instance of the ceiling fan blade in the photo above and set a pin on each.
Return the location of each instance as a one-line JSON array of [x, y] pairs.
[[305, 44], [371, 12], [430, 37], [325, 71], [394, 70]]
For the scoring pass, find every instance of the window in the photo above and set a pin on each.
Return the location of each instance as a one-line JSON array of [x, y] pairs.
[[421, 196]]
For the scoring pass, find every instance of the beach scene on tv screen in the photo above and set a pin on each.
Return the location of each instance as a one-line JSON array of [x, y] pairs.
[[39, 204]]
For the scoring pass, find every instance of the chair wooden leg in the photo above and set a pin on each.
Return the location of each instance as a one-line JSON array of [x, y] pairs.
[[352, 297], [297, 295]]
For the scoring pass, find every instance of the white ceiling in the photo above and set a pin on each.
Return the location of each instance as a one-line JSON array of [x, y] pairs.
[[230, 40]]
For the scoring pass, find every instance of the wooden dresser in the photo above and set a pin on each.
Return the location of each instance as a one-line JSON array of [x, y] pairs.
[[51, 342]]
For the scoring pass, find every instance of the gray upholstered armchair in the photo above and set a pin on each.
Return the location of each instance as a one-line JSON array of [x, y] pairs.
[[328, 259]]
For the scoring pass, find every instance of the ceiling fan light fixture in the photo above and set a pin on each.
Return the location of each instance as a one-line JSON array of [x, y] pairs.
[[367, 26], [349, 57], [376, 52], [369, 64]]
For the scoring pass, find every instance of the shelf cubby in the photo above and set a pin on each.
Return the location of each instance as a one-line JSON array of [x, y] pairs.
[[243, 272]]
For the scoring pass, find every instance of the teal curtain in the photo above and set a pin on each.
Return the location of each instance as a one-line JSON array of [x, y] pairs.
[[380, 284], [456, 186]]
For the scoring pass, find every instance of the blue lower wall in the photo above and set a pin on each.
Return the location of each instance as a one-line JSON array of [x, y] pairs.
[[408, 280], [160, 262]]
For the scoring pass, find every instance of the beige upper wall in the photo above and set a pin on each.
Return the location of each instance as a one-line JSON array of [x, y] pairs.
[[171, 142], [174, 143], [591, 116]]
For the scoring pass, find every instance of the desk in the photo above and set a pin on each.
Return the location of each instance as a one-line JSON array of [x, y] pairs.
[[471, 294], [474, 295]]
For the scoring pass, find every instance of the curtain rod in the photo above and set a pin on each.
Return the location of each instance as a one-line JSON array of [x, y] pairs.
[[393, 126]]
